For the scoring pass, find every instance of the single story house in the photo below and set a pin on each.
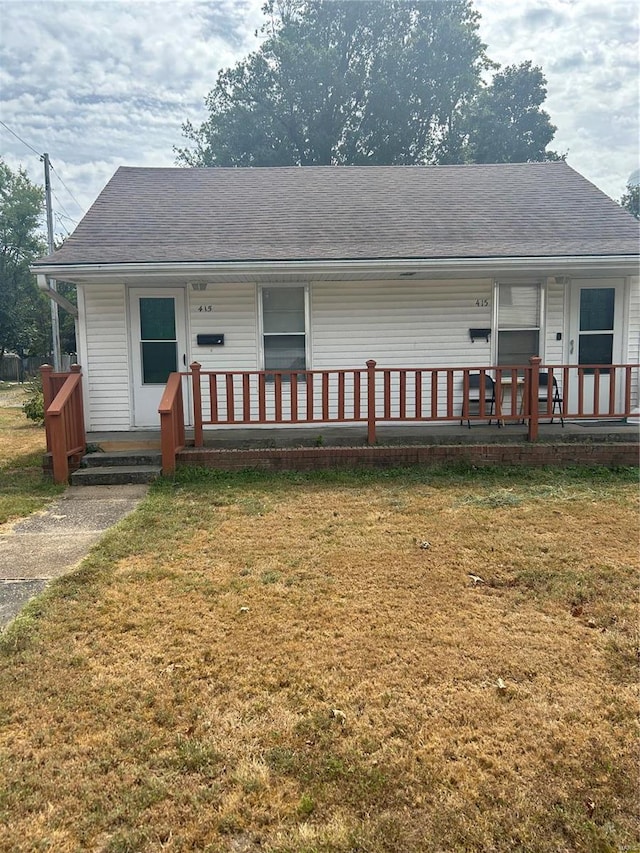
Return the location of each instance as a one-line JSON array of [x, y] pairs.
[[276, 271]]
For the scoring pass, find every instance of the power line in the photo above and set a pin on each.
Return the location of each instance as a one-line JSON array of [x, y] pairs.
[[61, 223], [62, 216], [80, 207], [31, 148], [64, 209], [20, 138]]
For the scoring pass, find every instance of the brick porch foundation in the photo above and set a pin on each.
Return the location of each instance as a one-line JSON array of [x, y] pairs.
[[320, 458]]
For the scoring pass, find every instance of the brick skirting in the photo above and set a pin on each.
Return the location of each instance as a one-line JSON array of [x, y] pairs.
[[319, 458]]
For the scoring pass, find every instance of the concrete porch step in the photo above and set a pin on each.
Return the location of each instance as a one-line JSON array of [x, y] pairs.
[[115, 475], [117, 458]]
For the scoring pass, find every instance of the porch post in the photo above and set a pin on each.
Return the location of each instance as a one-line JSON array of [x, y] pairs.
[[78, 409], [195, 368], [534, 389], [59, 458], [371, 402], [47, 394]]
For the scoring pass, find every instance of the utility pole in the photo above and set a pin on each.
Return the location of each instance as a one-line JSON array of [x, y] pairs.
[[55, 321]]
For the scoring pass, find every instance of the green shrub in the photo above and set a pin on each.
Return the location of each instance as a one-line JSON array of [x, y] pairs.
[[33, 406]]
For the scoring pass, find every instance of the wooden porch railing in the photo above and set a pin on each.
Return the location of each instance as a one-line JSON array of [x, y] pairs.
[[375, 395], [63, 419], [171, 412]]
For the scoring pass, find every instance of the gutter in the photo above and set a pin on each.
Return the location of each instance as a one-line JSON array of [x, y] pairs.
[[220, 269], [43, 284]]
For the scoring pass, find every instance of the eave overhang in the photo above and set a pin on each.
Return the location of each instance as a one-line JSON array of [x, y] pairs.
[[391, 268]]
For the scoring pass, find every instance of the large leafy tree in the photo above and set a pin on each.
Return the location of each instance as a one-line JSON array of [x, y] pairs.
[[370, 82], [22, 306], [25, 313], [631, 199], [505, 123]]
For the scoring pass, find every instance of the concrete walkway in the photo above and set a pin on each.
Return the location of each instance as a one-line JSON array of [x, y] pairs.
[[51, 542]]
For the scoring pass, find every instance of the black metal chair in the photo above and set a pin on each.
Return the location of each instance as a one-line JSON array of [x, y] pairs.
[[477, 391], [543, 396]]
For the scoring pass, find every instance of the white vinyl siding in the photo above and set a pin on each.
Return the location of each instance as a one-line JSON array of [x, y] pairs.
[[107, 363], [228, 309], [555, 323], [400, 323], [633, 338], [421, 324]]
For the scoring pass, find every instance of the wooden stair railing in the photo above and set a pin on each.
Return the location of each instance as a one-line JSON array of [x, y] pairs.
[[171, 413], [63, 419]]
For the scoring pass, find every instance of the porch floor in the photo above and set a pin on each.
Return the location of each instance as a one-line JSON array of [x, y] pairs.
[[581, 432]]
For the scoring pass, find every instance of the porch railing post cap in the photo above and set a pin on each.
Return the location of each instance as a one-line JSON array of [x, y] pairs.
[[75, 368], [195, 365], [46, 367], [371, 363], [535, 359]]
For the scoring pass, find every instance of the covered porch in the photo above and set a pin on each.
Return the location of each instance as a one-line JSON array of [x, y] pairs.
[[374, 416]]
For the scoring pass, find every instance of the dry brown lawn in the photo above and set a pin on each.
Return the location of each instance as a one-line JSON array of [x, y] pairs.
[[18, 436], [23, 488], [305, 664]]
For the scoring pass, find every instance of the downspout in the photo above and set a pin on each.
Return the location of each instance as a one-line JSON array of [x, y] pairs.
[[69, 307]]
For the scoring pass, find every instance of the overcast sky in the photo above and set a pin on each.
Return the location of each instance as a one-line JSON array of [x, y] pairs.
[[103, 83]]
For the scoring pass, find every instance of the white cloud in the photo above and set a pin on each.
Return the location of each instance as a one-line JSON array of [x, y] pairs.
[[104, 83], [100, 84], [588, 52]]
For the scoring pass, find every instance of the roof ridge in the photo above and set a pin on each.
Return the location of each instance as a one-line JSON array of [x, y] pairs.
[[340, 166]]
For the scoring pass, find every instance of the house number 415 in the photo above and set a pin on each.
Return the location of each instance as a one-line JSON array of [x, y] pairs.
[[482, 303], [207, 308]]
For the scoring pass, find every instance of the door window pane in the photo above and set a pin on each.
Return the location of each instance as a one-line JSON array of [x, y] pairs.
[[157, 319], [159, 359], [595, 349], [596, 308]]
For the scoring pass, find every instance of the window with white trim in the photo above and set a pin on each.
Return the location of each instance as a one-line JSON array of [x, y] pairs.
[[518, 323], [284, 336]]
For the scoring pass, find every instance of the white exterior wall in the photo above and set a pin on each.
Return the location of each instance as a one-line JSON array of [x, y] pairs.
[[105, 357], [633, 338], [228, 309], [403, 323], [554, 324], [400, 323]]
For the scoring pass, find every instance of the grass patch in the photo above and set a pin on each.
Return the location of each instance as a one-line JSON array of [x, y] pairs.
[[273, 662], [23, 487]]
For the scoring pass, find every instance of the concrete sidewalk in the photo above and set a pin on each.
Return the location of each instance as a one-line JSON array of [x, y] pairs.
[[51, 542]]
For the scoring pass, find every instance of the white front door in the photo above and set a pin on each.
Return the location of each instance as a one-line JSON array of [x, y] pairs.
[[158, 348], [596, 318]]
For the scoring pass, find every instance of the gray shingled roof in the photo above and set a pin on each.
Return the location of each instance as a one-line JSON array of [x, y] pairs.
[[348, 212]]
